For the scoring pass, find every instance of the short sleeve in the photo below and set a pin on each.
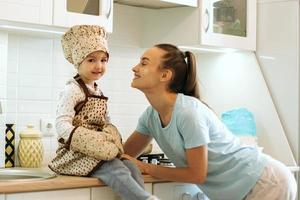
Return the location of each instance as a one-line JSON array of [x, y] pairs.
[[142, 126], [194, 128]]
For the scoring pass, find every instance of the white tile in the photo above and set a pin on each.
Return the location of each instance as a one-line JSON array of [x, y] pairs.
[[13, 53], [11, 106], [60, 81], [37, 107], [26, 80], [3, 37], [24, 119], [125, 120], [11, 79], [11, 118], [64, 69], [47, 158], [12, 66], [13, 41], [30, 93], [36, 67], [46, 144], [2, 120], [3, 57], [54, 144], [127, 109], [2, 91], [38, 44], [11, 92]]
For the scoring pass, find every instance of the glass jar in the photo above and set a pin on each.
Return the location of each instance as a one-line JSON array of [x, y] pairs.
[[30, 149]]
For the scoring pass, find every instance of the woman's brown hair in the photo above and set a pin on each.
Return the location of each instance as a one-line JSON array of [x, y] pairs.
[[183, 66]]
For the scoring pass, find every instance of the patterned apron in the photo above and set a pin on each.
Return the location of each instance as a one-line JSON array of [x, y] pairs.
[[89, 122]]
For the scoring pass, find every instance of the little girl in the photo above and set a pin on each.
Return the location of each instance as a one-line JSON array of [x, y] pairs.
[[89, 145]]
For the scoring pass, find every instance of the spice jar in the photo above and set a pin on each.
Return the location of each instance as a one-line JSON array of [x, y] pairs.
[[30, 149]]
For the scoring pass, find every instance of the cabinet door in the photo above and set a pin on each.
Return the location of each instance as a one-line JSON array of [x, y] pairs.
[[103, 193], [107, 193], [2, 197], [74, 194], [229, 23], [30, 11], [69, 12], [178, 191]]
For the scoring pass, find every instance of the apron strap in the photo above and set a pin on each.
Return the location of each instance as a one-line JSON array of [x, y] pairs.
[[82, 85]]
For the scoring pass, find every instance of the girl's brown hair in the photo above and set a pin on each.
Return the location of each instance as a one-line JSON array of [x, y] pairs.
[[183, 66]]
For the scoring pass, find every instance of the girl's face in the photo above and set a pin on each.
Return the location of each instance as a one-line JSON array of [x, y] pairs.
[[93, 67], [147, 73]]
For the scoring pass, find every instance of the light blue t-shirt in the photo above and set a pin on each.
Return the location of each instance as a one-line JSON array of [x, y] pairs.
[[233, 169]]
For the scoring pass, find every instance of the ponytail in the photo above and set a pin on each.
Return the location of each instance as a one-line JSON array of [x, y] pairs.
[[183, 66], [191, 86]]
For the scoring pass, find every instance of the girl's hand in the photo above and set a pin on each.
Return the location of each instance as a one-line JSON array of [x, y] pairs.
[[142, 166]]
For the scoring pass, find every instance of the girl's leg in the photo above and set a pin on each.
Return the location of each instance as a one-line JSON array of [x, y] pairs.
[[135, 172], [276, 182], [116, 175]]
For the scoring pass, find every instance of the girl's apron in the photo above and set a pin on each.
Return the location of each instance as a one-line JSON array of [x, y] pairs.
[[90, 117]]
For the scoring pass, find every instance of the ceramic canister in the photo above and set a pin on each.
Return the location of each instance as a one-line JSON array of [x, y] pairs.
[[30, 149]]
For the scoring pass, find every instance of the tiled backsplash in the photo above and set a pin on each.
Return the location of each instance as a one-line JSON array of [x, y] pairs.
[[35, 73]]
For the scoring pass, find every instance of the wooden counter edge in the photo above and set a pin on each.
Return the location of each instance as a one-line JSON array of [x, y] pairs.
[[59, 183]]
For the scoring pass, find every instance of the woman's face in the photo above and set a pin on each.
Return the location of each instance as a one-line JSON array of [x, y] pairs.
[[147, 72], [93, 66]]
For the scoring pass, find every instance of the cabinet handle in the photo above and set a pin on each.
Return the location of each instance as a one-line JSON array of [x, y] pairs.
[[186, 196], [109, 8], [207, 20], [105, 8], [200, 196]]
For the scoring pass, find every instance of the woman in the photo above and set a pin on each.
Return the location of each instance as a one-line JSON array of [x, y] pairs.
[[203, 150]]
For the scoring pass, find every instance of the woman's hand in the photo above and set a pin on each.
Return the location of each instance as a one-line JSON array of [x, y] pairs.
[[141, 165]]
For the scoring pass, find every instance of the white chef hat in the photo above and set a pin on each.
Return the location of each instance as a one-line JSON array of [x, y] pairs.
[[81, 40]]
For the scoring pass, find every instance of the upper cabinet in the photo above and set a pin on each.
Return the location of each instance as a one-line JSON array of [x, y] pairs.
[[30, 11], [215, 23], [70, 12], [56, 13], [229, 23]]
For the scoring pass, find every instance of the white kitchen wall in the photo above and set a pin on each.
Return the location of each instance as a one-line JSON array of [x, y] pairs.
[[234, 80]]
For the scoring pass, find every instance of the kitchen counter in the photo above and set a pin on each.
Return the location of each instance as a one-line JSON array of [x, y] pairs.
[[58, 183]]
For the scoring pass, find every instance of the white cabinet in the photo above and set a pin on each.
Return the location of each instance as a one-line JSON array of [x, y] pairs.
[[229, 23], [2, 197], [67, 13], [56, 14], [178, 191], [215, 23], [107, 193], [31, 11], [103, 193], [278, 55], [73, 194]]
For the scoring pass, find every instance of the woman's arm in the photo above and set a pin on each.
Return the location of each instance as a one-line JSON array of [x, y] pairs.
[[136, 143], [195, 172]]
